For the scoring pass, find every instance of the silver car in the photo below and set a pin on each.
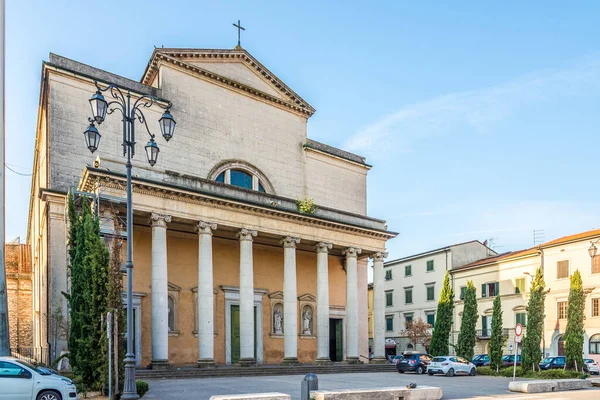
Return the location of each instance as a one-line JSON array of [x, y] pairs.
[[450, 366]]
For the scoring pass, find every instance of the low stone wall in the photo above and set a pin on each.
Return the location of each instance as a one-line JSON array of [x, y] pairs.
[[255, 396], [394, 393], [550, 385]]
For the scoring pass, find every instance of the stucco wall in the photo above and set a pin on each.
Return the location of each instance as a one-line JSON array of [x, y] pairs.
[[19, 292]]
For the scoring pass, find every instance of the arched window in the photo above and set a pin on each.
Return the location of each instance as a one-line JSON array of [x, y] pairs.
[[241, 174], [595, 344]]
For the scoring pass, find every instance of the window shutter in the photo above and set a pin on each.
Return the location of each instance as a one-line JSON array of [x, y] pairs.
[[497, 289], [483, 322], [483, 290]]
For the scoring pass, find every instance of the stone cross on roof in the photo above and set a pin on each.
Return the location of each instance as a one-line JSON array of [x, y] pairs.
[[240, 29]]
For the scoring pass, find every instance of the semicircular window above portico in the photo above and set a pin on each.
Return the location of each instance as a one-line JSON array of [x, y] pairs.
[[242, 175]]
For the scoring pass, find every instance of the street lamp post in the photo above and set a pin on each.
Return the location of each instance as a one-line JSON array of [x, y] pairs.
[[130, 112]]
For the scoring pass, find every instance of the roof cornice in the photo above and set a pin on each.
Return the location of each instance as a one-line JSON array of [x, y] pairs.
[[178, 58]]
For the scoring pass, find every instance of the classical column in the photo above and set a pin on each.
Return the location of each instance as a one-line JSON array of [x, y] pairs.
[[246, 298], [160, 292], [351, 304], [378, 308], [205, 304], [323, 302], [290, 301]]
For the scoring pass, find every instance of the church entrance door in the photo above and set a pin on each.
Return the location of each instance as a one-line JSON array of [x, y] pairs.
[[235, 334], [336, 340]]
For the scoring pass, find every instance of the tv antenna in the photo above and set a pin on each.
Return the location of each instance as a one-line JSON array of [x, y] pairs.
[[538, 237]]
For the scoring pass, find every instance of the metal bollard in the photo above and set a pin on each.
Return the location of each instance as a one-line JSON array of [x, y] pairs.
[[309, 382]]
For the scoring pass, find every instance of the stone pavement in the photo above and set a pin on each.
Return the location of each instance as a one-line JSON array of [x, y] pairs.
[[458, 387]]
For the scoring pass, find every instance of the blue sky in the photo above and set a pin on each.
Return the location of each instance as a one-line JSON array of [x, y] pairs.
[[480, 119]]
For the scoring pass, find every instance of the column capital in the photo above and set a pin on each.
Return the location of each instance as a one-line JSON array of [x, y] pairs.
[[379, 256], [352, 251], [205, 227], [157, 219], [290, 242], [323, 247], [245, 234]]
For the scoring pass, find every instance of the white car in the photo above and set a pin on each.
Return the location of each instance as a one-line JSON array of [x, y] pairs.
[[450, 366], [591, 366], [20, 380]]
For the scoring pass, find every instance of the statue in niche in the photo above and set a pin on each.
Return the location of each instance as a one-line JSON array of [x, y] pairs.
[[277, 321], [306, 319]]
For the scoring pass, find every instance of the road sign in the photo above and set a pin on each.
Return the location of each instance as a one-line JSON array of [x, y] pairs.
[[518, 330], [518, 339], [510, 347]]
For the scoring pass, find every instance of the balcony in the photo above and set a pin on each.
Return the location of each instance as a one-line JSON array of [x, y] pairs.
[[484, 334]]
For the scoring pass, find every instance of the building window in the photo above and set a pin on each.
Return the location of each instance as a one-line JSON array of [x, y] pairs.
[[463, 292], [596, 264], [388, 275], [429, 265], [522, 318], [408, 270], [520, 285], [431, 319], [562, 309], [389, 323], [389, 299], [490, 289], [486, 325], [408, 319], [562, 269], [241, 179], [595, 344], [430, 293], [408, 296], [595, 307], [241, 174], [221, 177]]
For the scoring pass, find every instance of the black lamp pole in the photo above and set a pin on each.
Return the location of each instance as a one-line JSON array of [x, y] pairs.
[[122, 103]]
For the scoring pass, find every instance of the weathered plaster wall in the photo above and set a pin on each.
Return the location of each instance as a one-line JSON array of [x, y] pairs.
[[19, 291]]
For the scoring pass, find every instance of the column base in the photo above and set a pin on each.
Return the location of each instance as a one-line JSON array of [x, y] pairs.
[[379, 360], [247, 362], [205, 363], [352, 360], [323, 361], [160, 365], [289, 361]]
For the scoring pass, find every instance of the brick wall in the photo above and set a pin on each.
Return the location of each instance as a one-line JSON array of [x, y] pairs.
[[18, 274]]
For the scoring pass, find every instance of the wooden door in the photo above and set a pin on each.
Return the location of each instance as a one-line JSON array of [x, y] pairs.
[[235, 334]]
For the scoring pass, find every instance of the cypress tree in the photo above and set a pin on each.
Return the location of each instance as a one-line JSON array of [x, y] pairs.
[[466, 337], [443, 322], [574, 332], [497, 339], [532, 353]]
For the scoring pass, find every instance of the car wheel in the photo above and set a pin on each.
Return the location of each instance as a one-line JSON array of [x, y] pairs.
[[430, 373], [473, 372], [48, 395], [450, 372], [419, 370], [400, 371]]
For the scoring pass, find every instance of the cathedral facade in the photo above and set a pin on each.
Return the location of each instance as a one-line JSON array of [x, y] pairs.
[[231, 262]]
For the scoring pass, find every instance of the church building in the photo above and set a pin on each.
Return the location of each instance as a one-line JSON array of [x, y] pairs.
[[232, 265]]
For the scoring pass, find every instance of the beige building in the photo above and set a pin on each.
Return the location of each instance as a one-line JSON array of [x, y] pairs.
[[413, 285], [509, 276], [18, 285], [217, 228]]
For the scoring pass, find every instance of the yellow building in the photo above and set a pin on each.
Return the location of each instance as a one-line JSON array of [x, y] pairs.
[[226, 268]]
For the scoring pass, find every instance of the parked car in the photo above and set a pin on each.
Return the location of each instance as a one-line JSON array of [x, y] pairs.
[[509, 360], [450, 366], [481, 360], [413, 362], [553, 363], [23, 381], [591, 366]]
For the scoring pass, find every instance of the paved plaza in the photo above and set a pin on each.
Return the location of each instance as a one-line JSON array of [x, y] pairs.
[[458, 387]]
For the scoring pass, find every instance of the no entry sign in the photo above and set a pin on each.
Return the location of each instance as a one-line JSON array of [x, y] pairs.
[[518, 330]]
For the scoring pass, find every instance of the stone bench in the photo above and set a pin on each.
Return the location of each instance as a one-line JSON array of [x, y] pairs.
[[595, 381], [255, 396], [393, 393], [549, 385]]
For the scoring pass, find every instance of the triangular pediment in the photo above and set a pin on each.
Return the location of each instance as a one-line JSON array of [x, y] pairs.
[[276, 295], [235, 69], [307, 297], [173, 287]]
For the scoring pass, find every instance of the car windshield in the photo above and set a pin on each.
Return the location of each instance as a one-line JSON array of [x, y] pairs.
[[548, 360], [30, 366], [588, 360], [438, 359], [505, 358], [477, 357]]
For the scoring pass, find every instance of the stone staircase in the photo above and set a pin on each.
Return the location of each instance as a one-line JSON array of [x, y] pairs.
[[261, 370]]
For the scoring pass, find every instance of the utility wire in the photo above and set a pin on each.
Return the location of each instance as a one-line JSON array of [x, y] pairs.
[[18, 173]]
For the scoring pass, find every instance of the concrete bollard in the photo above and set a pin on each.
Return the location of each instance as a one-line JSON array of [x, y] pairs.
[[309, 382]]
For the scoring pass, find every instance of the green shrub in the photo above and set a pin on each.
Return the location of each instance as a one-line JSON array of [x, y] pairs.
[[508, 372], [486, 371], [558, 374], [141, 387]]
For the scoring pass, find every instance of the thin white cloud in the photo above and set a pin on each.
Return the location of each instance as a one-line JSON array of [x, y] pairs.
[[475, 110]]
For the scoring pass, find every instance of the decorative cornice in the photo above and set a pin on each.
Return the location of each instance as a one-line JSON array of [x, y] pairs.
[[160, 219], [294, 103], [379, 256], [323, 247], [351, 252], [290, 242], [246, 234], [206, 227]]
